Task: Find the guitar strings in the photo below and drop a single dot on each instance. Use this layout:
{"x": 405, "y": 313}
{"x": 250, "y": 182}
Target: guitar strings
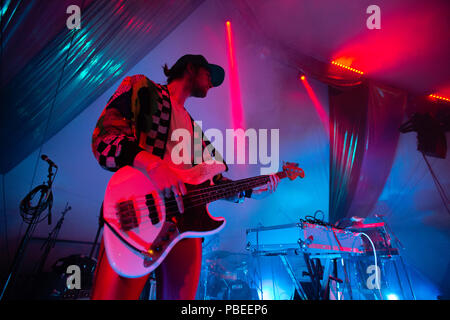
{"x": 241, "y": 183}
{"x": 229, "y": 191}
{"x": 196, "y": 199}
{"x": 227, "y": 184}
{"x": 225, "y": 190}
{"x": 170, "y": 211}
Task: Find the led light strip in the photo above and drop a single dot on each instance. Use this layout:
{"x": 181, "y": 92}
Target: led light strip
{"x": 439, "y": 97}
{"x": 347, "y": 67}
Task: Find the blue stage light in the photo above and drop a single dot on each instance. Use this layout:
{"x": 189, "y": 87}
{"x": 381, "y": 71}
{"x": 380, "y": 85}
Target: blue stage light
{"x": 392, "y": 296}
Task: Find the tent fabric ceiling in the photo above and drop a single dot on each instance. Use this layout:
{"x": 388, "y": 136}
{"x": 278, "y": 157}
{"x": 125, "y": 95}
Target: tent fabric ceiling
{"x": 28, "y": 26}
{"x": 50, "y": 73}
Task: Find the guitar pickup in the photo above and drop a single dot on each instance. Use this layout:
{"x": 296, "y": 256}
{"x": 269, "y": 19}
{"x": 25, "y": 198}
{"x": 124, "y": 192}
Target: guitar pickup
{"x": 152, "y": 210}
{"x": 127, "y": 215}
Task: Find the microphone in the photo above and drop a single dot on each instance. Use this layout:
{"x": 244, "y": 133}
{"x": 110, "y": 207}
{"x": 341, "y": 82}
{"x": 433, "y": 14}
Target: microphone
{"x": 50, "y": 162}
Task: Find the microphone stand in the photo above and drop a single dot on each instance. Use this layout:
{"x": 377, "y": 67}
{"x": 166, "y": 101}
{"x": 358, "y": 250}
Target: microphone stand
{"x": 35, "y": 215}
{"x": 51, "y": 240}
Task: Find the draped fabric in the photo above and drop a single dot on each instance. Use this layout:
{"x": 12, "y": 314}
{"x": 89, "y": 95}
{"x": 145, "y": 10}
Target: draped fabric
{"x": 364, "y": 137}
{"x": 386, "y": 107}
{"x": 50, "y": 74}
{"x": 348, "y": 126}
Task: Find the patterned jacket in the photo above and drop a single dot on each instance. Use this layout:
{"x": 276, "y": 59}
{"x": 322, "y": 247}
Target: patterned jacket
{"x": 137, "y": 117}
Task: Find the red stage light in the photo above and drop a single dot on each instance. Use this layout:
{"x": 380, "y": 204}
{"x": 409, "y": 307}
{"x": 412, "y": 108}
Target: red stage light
{"x": 439, "y": 97}
{"x": 347, "y": 67}
{"x": 302, "y": 78}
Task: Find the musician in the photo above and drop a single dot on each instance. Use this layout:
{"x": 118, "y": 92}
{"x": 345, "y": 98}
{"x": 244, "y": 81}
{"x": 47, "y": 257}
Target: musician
{"x": 135, "y": 129}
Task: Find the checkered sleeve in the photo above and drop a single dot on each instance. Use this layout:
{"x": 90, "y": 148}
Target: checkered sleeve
{"x": 113, "y": 143}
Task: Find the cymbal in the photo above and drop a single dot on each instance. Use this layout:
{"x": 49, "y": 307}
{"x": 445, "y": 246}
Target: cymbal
{"x": 241, "y": 266}
{"x": 218, "y": 254}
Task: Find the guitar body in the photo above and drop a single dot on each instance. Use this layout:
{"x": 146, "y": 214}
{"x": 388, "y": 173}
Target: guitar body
{"x": 136, "y": 237}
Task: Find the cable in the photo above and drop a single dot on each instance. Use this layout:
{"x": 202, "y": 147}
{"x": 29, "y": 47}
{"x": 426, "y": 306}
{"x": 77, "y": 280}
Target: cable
{"x": 441, "y": 190}
{"x": 314, "y": 220}
{"x": 323, "y": 214}
{"x": 376, "y": 264}
{"x": 3, "y": 175}
{"x": 5, "y": 217}
{"x": 29, "y": 212}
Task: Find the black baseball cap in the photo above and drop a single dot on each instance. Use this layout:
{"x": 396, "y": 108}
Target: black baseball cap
{"x": 217, "y": 72}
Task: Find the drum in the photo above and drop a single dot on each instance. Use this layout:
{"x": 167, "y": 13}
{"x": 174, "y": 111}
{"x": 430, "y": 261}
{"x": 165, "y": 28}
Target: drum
{"x": 87, "y": 267}
{"x": 238, "y": 290}
{"x": 216, "y": 287}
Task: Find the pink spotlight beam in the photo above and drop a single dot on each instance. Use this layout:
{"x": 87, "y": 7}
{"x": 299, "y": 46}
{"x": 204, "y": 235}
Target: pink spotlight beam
{"x": 237, "y": 113}
{"x": 323, "y": 116}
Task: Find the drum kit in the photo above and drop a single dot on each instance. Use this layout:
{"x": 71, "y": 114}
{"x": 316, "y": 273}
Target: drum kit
{"x": 225, "y": 276}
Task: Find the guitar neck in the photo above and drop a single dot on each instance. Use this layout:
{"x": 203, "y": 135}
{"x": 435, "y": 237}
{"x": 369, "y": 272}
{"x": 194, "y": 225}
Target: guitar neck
{"x": 228, "y": 189}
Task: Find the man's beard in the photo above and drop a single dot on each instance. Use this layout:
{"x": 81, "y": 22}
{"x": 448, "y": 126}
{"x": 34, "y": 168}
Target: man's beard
{"x": 198, "y": 92}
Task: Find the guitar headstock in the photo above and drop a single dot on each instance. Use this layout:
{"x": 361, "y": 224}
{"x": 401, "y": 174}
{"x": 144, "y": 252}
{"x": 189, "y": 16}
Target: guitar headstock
{"x": 292, "y": 170}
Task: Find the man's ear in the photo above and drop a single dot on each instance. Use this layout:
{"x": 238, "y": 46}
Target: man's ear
{"x": 190, "y": 69}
